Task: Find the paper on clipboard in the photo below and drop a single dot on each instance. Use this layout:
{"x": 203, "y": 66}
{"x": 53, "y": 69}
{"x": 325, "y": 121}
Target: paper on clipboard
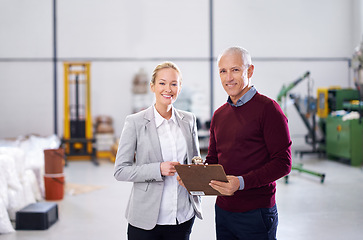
{"x": 196, "y": 177}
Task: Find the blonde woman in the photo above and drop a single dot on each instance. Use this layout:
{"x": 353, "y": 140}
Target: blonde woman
{"x": 152, "y": 142}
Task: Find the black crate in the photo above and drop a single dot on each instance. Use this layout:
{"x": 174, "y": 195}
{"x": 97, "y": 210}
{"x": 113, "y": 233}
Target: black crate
{"x": 37, "y": 216}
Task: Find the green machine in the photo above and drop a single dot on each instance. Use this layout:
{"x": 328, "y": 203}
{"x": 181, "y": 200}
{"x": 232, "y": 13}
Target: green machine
{"x": 344, "y": 139}
{"x": 340, "y": 111}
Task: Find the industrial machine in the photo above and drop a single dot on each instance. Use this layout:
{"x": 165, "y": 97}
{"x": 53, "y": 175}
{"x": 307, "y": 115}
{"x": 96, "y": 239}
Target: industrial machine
{"x": 338, "y": 110}
{"x": 340, "y": 113}
{"x": 307, "y": 112}
{"x": 340, "y": 118}
{"x": 78, "y": 140}
{"x": 286, "y": 89}
{"x": 306, "y": 109}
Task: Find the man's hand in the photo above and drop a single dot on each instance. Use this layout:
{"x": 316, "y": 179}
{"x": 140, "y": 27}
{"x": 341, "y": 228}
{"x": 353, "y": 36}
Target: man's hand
{"x": 226, "y": 188}
{"x": 168, "y": 169}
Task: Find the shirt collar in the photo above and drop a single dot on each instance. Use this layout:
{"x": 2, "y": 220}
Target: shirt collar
{"x": 159, "y": 119}
{"x": 244, "y": 99}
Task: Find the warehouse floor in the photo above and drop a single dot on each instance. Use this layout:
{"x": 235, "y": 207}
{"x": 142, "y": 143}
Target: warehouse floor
{"x": 308, "y": 209}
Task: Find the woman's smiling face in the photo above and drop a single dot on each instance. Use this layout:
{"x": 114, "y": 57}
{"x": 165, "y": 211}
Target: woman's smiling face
{"x": 167, "y": 86}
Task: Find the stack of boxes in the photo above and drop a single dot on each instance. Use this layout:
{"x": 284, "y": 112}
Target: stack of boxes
{"x": 104, "y": 137}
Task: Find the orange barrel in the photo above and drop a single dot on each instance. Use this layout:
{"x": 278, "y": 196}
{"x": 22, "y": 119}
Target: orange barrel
{"x": 54, "y": 186}
{"x": 53, "y": 160}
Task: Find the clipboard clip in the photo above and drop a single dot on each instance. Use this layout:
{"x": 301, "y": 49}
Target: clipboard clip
{"x": 197, "y": 160}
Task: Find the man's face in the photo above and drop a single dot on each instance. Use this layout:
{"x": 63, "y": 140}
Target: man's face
{"x": 234, "y": 75}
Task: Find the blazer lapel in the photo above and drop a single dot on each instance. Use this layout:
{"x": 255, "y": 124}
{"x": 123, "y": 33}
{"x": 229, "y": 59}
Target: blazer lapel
{"x": 184, "y": 126}
{"x": 150, "y": 127}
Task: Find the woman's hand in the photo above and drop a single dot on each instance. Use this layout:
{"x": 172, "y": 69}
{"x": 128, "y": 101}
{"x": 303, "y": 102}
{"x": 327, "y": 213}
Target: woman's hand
{"x": 180, "y": 181}
{"x": 168, "y": 169}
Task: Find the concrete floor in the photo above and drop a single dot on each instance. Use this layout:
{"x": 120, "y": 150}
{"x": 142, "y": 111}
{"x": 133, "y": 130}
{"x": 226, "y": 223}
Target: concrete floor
{"x": 308, "y": 209}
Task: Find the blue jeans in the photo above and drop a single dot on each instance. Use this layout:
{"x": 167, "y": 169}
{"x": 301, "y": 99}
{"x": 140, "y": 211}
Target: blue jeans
{"x": 258, "y": 224}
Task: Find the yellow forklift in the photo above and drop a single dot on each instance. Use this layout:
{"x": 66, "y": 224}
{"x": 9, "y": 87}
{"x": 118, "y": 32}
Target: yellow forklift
{"x": 78, "y": 141}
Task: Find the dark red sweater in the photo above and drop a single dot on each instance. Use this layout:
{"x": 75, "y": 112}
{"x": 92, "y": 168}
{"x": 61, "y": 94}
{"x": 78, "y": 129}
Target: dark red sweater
{"x": 251, "y": 141}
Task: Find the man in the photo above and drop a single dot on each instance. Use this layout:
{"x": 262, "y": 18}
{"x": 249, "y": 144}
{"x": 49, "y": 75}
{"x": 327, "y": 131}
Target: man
{"x": 249, "y": 136}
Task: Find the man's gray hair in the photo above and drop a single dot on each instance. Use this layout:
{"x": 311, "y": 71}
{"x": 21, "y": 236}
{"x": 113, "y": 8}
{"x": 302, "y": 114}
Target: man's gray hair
{"x": 246, "y": 57}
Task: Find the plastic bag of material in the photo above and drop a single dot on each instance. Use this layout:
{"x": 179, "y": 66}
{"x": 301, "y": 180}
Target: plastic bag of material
{"x": 19, "y": 157}
{"x": 10, "y": 172}
{"x": 3, "y": 181}
{"x": 5, "y": 224}
{"x": 26, "y": 176}
{"x": 15, "y": 190}
{"x": 16, "y": 202}
{"x": 34, "y": 146}
{"x": 24, "y": 154}
{"x": 31, "y": 190}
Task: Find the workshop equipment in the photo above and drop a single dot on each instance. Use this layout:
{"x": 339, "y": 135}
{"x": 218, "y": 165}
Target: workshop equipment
{"x": 306, "y": 109}
{"x": 335, "y": 99}
{"x": 357, "y": 66}
{"x": 310, "y": 111}
{"x": 78, "y": 140}
{"x": 344, "y": 139}
{"x": 281, "y": 97}
{"x": 336, "y": 108}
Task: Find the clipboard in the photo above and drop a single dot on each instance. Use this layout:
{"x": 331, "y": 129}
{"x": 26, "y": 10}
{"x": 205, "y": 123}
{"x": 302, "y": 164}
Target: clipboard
{"x": 196, "y": 177}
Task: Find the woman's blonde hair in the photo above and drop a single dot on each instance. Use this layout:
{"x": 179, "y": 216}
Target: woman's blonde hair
{"x": 165, "y": 65}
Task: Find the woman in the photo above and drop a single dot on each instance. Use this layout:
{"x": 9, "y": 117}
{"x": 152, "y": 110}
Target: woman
{"x": 152, "y": 142}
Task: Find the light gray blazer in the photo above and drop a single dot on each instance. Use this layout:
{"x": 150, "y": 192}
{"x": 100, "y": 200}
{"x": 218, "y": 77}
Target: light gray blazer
{"x": 138, "y": 160}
